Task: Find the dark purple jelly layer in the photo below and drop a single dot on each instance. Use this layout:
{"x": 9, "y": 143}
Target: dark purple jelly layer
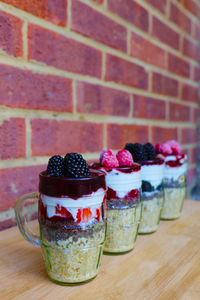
{"x": 71, "y": 187}
{"x": 156, "y": 161}
{"x": 134, "y": 168}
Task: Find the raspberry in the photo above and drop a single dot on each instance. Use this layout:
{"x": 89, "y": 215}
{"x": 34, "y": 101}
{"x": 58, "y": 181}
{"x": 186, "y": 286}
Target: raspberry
{"x": 176, "y": 149}
{"x": 150, "y": 151}
{"x": 75, "y": 166}
{"x": 108, "y": 159}
{"x": 137, "y": 151}
{"x": 108, "y": 151}
{"x": 55, "y": 166}
{"x": 124, "y": 158}
{"x": 163, "y": 148}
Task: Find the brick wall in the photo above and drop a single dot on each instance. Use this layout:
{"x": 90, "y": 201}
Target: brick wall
{"x": 85, "y": 75}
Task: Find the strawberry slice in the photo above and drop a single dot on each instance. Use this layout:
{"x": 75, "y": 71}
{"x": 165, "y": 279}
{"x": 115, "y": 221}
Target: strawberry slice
{"x": 84, "y": 215}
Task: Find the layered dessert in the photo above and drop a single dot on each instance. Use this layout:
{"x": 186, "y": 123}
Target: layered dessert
{"x": 71, "y": 218}
{"x": 152, "y": 171}
{"x": 174, "y": 179}
{"x": 123, "y": 180}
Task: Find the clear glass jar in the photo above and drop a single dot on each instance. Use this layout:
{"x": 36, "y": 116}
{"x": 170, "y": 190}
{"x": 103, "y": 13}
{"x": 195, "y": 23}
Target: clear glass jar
{"x": 152, "y": 195}
{"x": 123, "y": 208}
{"x": 71, "y": 216}
{"x": 174, "y": 186}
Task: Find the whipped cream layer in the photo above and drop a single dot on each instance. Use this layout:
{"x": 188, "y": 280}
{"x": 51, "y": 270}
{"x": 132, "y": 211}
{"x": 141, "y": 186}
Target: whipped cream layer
{"x": 153, "y": 174}
{"x": 92, "y": 201}
{"x": 122, "y": 183}
{"x": 175, "y": 172}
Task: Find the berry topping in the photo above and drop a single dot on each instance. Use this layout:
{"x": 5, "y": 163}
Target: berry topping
{"x": 55, "y": 166}
{"x": 137, "y": 151}
{"x": 124, "y": 158}
{"x": 108, "y": 151}
{"x": 150, "y": 151}
{"x": 108, "y": 159}
{"x": 175, "y": 147}
{"x": 75, "y": 166}
{"x": 163, "y": 148}
{"x": 146, "y": 186}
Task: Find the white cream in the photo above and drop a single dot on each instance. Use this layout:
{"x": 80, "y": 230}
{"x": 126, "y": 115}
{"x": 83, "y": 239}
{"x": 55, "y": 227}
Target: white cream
{"x": 122, "y": 183}
{"x": 153, "y": 174}
{"x": 174, "y": 173}
{"x": 92, "y": 201}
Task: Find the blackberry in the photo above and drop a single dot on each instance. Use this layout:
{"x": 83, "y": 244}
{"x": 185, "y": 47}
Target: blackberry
{"x": 75, "y": 166}
{"x": 138, "y": 152}
{"x": 160, "y": 187}
{"x": 146, "y": 186}
{"x": 55, "y": 166}
{"x": 150, "y": 151}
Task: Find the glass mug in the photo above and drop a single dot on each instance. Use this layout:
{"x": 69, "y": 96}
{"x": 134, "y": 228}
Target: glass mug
{"x": 71, "y": 215}
{"x": 174, "y": 186}
{"x": 152, "y": 195}
{"x": 123, "y": 203}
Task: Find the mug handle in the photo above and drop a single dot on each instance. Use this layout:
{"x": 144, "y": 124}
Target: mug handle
{"x": 21, "y": 217}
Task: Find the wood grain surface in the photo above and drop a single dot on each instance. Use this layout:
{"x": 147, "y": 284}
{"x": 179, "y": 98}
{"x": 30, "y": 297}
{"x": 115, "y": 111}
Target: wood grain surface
{"x": 163, "y": 265}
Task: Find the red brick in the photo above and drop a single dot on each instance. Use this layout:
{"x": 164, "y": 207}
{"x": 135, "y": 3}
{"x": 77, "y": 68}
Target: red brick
{"x": 165, "y": 34}
{"x": 148, "y": 108}
{"x": 54, "y": 11}
{"x": 99, "y": 2}
{"x": 191, "y": 177}
{"x": 195, "y": 114}
{"x": 51, "y": 136}
{"x": 131, "y": 12}
{"x": 179, "y": 18}
{"x": 197, "y": 32}
{"x": 7, "y": 224}
{"x": 193, "y": 156}
{"x": 191, "y": 49}
{"x": 192, "y": 6}
{"x": 64, "y": 53}
{"x": 144, "y": 50}
{"x": 161, "y": 134}
{"x": 120, "y": 134}
{"x": 197, "y": 74}
{"x": 95, "y": 25}
{"x": 164, "y": 85}
{"x": 189, "y": 93}
{"x": 11, "y": 34}
{"x": 179, "y": 112}
{"x": 160, "y": 5}
{"x": 96, "y": 99}
{"x": 125, "y": 72}
{"x": 15, "y": 182}
{"x": 12, "y": 138}
{"x": 178, "y": 66}
{"x": 189, "y": 135}
{"x": 24, "y": 89}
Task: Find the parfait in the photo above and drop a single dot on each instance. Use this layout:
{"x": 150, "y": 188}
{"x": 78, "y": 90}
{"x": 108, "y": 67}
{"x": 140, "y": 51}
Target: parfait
{"x": 71, "y": 218}
{"x": 152, "y": 171}
{"x": 174, "y": 179}
{"x": 123, "y": 180}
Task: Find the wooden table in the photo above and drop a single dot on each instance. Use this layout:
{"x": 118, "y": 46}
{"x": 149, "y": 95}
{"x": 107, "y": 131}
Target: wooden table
{"x": 164, "y": 265}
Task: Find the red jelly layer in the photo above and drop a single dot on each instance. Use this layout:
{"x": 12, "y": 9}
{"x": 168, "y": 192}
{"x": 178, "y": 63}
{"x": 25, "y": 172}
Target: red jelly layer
{"x": 156, "y": 161}
{"x": 134, "y": 168}
{"x": 71, "y": 187}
